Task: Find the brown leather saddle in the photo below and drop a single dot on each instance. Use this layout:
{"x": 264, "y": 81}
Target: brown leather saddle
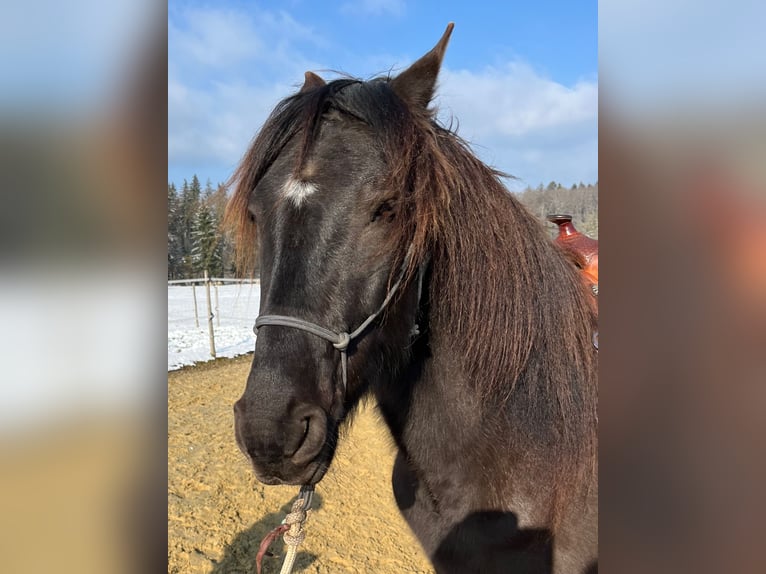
{"x": 581, "y": 249}
{"x": 583, "y": 252}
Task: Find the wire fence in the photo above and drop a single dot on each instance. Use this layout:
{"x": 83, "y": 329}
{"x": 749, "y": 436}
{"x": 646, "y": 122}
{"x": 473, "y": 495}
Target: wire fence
{"x": 210, "y": 317}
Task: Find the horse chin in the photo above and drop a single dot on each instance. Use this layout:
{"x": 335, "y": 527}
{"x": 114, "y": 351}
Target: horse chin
{"x": 309, "y": 474}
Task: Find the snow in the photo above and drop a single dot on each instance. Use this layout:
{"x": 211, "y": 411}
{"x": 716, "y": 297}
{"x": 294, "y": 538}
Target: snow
{"x": 237, "y": 309}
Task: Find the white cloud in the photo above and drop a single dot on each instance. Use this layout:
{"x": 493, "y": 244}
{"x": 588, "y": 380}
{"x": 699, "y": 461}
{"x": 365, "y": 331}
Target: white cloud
{"x": 525, "y": 124}
{"x": 225, "y": 80}
{"x": 213, "y": 127}
{"x": 226, "y": 71}
{"x": 221, "y": 40}
{"x": 214, "y": 38}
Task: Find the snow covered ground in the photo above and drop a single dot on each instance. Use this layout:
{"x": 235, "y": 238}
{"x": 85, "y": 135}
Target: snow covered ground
{"x": 237, "y": 310}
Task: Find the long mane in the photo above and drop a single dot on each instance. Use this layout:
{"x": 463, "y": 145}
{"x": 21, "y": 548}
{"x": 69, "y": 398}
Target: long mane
{"x": 498, "y": 282}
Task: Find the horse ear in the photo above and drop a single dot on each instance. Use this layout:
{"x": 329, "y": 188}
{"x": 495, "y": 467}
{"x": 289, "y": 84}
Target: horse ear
{"x": 311, "y": 82}
{"x": 416, "y": 84}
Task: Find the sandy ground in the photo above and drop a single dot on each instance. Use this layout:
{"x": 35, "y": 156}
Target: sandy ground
{"x": 218, "y": 513}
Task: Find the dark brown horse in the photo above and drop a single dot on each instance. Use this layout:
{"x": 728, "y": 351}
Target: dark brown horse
{"x": 395, "y": 263}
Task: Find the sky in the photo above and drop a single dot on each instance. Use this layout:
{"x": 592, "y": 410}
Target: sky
{"x": 519, "y": 80}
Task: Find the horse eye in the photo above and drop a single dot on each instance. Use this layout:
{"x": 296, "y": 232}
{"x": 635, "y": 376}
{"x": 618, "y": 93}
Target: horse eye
{"x": 386, "y": 211}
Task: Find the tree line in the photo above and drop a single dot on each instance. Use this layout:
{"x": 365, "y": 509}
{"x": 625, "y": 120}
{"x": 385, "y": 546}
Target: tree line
{"x": 580, "y": 201}
{"x": 198, "y": 242}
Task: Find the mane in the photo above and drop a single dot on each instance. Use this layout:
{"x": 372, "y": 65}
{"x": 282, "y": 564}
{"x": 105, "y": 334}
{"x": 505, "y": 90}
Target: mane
{"x": 520, "y": 308}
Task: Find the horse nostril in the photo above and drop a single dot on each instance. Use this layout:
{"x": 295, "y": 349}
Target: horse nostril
{"x": 312, "y": 437}
{"x": 304, "y": 432}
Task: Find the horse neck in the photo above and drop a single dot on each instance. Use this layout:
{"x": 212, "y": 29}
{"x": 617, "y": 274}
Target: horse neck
{"x": 442, "y": 427}
{"x": 440, "y": 421}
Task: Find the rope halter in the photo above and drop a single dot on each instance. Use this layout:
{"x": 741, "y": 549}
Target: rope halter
{"x": 341, "y": 340}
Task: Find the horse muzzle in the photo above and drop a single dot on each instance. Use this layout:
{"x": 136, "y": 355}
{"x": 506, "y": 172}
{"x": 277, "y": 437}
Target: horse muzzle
{"x": 285, "y": 446}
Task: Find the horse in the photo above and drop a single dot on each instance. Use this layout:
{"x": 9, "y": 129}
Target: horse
{"x": 395, "y": 264}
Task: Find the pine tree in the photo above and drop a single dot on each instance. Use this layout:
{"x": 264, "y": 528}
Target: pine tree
{"x": 208, "y": 191}
{"x": 206, "y": 243}
{"x": 175, "y": 250}
{"x": 190, "y": 202}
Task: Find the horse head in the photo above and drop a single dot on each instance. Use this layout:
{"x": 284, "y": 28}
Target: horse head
{"x": 339, "y": 292}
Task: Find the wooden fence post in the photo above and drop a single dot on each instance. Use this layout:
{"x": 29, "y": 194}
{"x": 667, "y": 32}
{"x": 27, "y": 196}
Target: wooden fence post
{"x": 196, "y": 313}
{"x": 210, "y": 331}
{"x": 217, "y": 312}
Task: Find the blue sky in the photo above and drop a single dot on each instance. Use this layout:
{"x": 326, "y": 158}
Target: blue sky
{"x": 519, "y": 78}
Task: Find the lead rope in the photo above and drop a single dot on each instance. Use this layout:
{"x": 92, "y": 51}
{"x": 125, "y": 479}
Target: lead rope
{"x": 295, "y": 534}
{"x": 292, "y": 528}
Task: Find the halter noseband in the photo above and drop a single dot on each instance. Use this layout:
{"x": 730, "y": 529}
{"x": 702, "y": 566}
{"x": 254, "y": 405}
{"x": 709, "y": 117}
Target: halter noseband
{"x": 342, "y": 339}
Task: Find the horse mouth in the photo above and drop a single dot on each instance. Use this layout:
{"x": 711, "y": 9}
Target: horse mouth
{"x": 296, "y": 450}
{"x": 310, "y": 474}
{"x": 307, "y": 461}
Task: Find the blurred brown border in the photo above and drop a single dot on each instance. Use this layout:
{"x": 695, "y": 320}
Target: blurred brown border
{"x": 682, "y": 339}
